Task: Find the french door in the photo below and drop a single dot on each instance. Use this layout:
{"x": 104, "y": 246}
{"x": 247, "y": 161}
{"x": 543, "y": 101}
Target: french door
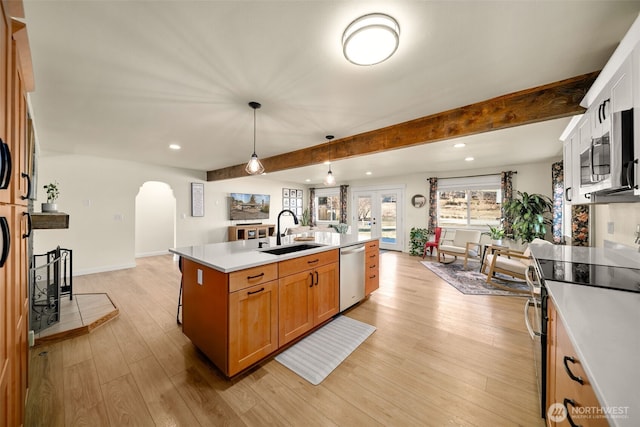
{"x": 378, "y": 213}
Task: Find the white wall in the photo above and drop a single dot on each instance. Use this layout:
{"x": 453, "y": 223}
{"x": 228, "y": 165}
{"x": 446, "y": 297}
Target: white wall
{"x": 99, "y": 195}
{"x": 625, "y": 218}
{"x": 155, "y": 218}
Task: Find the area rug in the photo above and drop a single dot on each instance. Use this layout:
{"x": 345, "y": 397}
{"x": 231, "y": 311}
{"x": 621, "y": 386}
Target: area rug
{"x": 471, "y": 281}
{"x": 317, "y": 355}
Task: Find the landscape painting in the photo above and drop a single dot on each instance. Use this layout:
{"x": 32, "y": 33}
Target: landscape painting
{"x": 249, "y": 206}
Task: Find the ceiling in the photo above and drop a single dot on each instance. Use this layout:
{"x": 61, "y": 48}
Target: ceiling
{"x": 124, "y": 79}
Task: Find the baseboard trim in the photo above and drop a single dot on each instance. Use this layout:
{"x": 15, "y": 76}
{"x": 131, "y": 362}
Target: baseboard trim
{"x": 148, "y": 254}
{"x": 103, "y": 269}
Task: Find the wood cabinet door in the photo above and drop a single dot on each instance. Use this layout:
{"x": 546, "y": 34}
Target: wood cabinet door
{"x": 5, "y": 91}
{"x": 253, "y": 325}
{"x": 295, "y": 302}
{"x": 326, "y": 292}
{"x": 7, "y": 345}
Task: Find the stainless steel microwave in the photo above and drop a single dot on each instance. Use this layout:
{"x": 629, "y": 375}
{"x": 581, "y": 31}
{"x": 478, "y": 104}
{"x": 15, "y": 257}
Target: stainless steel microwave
{"x": 607, "y": 164}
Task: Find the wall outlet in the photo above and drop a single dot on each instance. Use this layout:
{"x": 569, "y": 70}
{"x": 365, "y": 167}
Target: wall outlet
{"x": 199, "y": 277}
{"x": 610, "y": 227}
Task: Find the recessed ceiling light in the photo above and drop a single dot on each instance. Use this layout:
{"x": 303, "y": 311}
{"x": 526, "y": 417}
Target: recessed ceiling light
{"x": 368, "y": 173}
{"x": 468, "y": 159}
{"x": 174, "y": 146}
{"x": 307, "y": 180}
{"x": 459, "y": 145}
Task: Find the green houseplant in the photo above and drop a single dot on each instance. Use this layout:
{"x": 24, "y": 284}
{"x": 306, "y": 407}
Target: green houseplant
{"x": 530, "y": 215}
{"x": 305, "y": 218}
{"x": 52, "y": 195}
{"x": 496, "y": 234}
{"x": 418, "y": 237}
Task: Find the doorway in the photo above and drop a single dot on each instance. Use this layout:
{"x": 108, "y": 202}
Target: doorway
{"x": 378, "y": 214}
{"x": 155, "y": 219}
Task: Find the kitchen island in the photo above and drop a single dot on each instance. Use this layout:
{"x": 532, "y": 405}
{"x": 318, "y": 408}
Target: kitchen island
{"x": 242, "y": 304}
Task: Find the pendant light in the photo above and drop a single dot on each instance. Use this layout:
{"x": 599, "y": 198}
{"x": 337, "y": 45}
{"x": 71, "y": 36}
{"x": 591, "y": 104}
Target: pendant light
{"x": 329, "y": 179}
{"x": 254, "y": 167}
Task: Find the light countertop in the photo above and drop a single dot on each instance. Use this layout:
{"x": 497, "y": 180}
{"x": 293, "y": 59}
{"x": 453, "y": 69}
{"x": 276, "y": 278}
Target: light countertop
{"x": 227, "y": 257}
{"x": 604, "y": 328}
{"x": 618, "y": 256}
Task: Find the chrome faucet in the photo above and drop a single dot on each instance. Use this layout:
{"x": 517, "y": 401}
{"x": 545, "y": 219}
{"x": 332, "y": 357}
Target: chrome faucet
{"x": 295, "y": 220}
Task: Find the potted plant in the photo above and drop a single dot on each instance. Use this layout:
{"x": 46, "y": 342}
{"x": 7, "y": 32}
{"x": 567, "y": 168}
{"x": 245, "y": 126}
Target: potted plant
{"x": 530, "y": 215}
{"x": 305, "y": 218}
{"x": 496, "y": 234}
{"x": 52, "y": 195}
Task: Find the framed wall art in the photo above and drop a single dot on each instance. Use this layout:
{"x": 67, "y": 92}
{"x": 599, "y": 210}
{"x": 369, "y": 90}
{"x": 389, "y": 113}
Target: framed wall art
{"x": 197, "y": 199}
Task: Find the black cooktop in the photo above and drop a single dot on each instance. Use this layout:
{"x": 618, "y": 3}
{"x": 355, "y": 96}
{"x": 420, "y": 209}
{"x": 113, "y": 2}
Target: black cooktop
{"x": 601, "y": 276}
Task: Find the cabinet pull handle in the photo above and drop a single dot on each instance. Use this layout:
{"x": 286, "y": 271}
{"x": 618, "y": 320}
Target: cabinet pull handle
{"x": 568, "y": 371}
{"x": 566, "y": 402}
{"x": 566, "y": 194}
{"x": 372, "y": 277}
{"x": 372, "y": 256}
{"x": 255, "y": 277}
{"x": 29, "y": 225}
{"x": 311, "y": 275}
{"x": 600, "y": 112}
{"x": 313, "y": 261}
{"x": 5, "y": 165}
{"x": 317, "y": 279}
{"x": 255, "y": 292}
{"x": 6, "y": 240}
{"x": 604, "y": 106}
{"x": 28, "y": 178}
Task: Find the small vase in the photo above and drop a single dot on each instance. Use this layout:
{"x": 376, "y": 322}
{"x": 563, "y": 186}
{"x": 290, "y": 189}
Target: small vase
{"x": 49, "y": 207}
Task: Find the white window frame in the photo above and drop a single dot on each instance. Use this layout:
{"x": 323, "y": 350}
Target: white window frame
{"x": 325, "y": 192}
{"x": 466, "y": 184}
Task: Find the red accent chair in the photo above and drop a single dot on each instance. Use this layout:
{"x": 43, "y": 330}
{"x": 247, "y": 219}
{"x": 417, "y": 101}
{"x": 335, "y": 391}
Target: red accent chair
{"x": 434, "y": 244}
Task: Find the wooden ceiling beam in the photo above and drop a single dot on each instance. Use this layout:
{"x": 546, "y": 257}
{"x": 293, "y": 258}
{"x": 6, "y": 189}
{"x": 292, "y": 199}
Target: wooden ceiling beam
{"x": 548, "y": 102}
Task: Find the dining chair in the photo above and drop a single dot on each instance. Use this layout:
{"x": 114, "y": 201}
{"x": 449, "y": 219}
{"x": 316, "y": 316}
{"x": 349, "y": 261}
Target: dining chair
{"x": 432, "y": 244}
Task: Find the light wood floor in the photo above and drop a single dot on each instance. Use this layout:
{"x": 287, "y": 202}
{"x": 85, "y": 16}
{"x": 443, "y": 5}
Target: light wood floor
{"x": 438, "y": 357}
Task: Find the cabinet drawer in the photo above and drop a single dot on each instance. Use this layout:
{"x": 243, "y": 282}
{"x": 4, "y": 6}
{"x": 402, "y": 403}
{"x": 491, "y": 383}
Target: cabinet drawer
{"x": 372, "y": 246}
{"x": 252, "y": 276}
{"x": 297, "y": 265}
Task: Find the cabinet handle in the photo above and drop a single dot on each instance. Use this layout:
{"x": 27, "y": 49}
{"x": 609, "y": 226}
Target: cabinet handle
{"x": 600, "y": 112}
{"x": 604, "y": 109}
{"x": 28, "y": 178}
{"x": 255, "y": 277}
{"x": 372, "y": 256}
{"x": 313, "y": 261}
{"x": 566, "y": 368}
{"x": 566, "y": 402}
{"x": 630, "y": 178}
{"x": 29, "y": 225}
{"x": 6, "y": 240}
{"x": 373, "y": 266}
{"x": 372, "y": 277}
{"x": 317, "y": 279}
{"x": 5, "y": 165}
{"x": 311, "y": 275}
{"x": 255, "y": 292}
{"x": 566, "y": 194}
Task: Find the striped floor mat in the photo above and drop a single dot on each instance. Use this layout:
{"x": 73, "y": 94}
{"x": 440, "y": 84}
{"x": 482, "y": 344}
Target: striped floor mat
{"x": 317, "y": 355}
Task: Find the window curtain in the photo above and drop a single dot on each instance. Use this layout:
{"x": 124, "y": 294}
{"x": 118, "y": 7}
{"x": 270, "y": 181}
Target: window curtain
{"x": 557, "y": 184}
{"x": 433, "y": 204}
{"x": 506, "y": 186}
{"x": 343, "y": 203}
{"x": 312, "y": 206}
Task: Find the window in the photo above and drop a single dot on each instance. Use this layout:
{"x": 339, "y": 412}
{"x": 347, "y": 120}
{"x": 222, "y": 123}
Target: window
{"x": 472, "y": 201}
{"x": 327, "y": 205}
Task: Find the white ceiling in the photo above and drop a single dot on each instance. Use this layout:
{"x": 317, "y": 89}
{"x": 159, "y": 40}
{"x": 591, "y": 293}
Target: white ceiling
{"x": 124, "y": 79}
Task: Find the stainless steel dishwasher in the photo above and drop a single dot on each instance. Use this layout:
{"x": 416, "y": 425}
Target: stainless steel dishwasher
{"x": 351, "y": 275}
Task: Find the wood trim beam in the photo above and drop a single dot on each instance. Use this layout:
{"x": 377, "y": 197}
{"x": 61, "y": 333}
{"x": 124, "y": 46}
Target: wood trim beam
{"x": 547, "y": 102}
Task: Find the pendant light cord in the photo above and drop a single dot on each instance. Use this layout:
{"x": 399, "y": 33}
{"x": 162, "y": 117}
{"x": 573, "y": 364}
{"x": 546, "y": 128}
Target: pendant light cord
{"x": 254, "y": 131}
